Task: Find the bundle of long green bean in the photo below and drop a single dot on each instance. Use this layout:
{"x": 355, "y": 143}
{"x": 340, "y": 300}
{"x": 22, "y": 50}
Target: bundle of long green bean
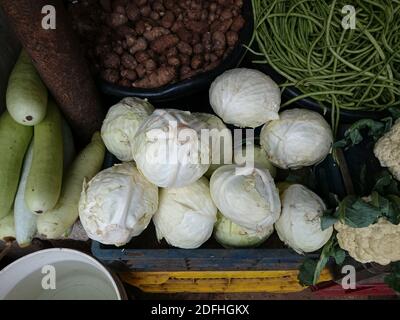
{"x": 313, "y": 44}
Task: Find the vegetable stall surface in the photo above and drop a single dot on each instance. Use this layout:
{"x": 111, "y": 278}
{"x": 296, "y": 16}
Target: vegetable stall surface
{"x": 58, "y": 222}
{"x": 148, "y": 44}
{"x": 344, "y": 67}
{"x": 44, "y": 182}
{"x": 26, "y": 93}
{"x": 14, "y": 141}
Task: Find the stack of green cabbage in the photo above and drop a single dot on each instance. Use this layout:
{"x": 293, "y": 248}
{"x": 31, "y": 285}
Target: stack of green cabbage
{"x": 167, "y": 155}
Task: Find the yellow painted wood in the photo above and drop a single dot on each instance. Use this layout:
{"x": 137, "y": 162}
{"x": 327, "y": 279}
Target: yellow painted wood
{"x": 278, "y": 281}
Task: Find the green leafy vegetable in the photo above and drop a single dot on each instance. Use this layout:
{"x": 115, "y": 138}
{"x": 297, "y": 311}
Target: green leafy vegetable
{"x": 310, "y": 270}
{"x": 386, "y": 184}
{"x": 373, "y": 128}
{"x": 357, "y": 212}
{"x": 327, "y": 221}
{"x": 306, "y": 272}
{"x": 395, "y": 112}
{"x": 393, "y": 279}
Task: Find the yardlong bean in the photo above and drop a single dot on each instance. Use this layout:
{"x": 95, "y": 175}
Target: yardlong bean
{"x": 352, "y": 69}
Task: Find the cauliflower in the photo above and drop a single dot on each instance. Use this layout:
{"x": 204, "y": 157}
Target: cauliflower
{"x": 387, "y": 150}
{"x": 379, "y": 242}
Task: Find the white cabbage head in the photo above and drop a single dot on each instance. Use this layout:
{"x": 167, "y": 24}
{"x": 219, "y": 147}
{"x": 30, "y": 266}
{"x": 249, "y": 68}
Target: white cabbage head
{"x": 168, "y": 151}
{"x": 248, "y": 153}
{"x": 186, "y": 216}
{"x": 245, "y": 97}
{"x": 117, "y": 204}
{"x": 121, "y": 123}
{"x": 221, "y": 142}
{"x": 300, "y": 138}
{"x": 246, "y": 196}
{"x": 299, "y": 225}
{"x": 231, "y": 235}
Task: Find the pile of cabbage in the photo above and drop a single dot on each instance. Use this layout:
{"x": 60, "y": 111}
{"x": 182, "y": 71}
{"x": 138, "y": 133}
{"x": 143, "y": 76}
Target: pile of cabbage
{"x": 184, "y": 172}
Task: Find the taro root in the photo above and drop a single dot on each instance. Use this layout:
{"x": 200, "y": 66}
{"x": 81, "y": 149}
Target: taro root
{"x": 164, "y": 42}
{"x": 168, "y": 20}
{"x": 110, "y": 75}
{"x": 184, "y": 48}
{"x": 158, "y": 78}
{"x": 155, "y": 33}
{"x": 128, "y": 61}
{"x": 139, "y": 45}
{"x": 150, "y": 43}
{"x": 132, "y": 12}
{"x": 129, "y": 74}
{"x": 232, "y": 38}
{"x": 111, "y": 60}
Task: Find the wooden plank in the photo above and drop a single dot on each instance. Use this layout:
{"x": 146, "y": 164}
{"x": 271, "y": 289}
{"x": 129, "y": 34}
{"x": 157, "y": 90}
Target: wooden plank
{"x": 278, "y": 281}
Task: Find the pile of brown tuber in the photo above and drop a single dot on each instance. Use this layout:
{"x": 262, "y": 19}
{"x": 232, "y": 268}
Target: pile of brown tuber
{"x": 151, "y": 43}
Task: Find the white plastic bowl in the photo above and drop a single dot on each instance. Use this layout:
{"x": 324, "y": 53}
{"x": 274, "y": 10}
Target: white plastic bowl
{"x": 75, "y": 276}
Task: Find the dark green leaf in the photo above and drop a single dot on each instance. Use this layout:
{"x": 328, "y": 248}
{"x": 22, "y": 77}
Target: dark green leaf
{"x": 381, "y": 203}
{"x": 395, "y": 112}
{"x": 323, "y": 260}
{"x": 394, "y": 212}
{"x": 354, "y": 135}
{"x": 386, "y": 184}
{"x": 393, "y": 279}
{"x": 340, "y": 144}
{"x": 339, "y": 255}
{"x": 357, "y": 213}
{"x": 306, "y": 272}
{"x": 310, "y": 270}
{"x": 388, "y": 122}
{"x": 328, "y": 221}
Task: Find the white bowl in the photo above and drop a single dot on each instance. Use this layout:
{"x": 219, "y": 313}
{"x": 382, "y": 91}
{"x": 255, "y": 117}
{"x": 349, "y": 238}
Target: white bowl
{"x": 58, "y": 274}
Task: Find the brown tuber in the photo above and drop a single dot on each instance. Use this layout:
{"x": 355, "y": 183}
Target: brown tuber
{"x": 218, "y": 40}
{"x": 237, "y": 24}
{"x": 128, "y": 61}
{"x": 196, "y": 62}
{"x": 129, "y": 74}
{"x": 164, "y": 42}
{"x": 150, "y": 43}
{"x": 139, "y": 45}
{"x": 116, "y": 20}
{"x": 132, "y": 12}
{"x": 111, "y": 60}
{"x": 184, "y": 48}
{"x": 231, "y": 38}
{"x": 158, "y": 78}
{"x": 110, "y": 75}
{"x": 168, "y": 20}
{"x": 155, "y": 33}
